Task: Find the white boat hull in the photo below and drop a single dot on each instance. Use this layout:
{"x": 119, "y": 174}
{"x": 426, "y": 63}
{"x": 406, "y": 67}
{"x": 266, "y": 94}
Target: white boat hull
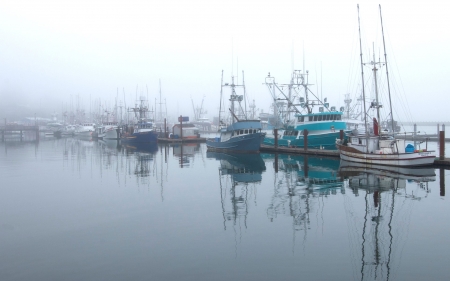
{"x": 421, "y": 158}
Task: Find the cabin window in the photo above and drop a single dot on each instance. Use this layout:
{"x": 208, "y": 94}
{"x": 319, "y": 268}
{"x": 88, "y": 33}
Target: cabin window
{"x": 320, "y": 117}
{"x": 301, "y": 118}
{"x": 246, "y": 131}
{"x": 296, "y": 133}
{"x": 315, "y": 118}
{"x": 328, "y": 117}
{"x": 241, "y": 132}
{"x": 338, "y": 117}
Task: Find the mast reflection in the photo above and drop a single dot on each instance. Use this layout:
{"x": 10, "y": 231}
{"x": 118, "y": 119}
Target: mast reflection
{"x": 236, "y": 173}
{"x": 383, "y": 223}
{"x": 299, "y": 180}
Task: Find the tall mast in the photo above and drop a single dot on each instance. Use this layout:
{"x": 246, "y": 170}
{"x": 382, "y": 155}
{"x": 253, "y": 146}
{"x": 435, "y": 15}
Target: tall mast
{"x": 362, "y": 79}
{"x": 387, "y": 74}
{"x": 220, "y": 106}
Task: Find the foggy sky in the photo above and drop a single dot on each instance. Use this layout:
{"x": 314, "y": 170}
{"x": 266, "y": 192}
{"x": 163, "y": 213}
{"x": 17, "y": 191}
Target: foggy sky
{"x": 54, "y": 54}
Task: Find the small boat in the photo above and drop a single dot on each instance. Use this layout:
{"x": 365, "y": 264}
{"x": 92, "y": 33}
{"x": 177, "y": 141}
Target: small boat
{"x": 380, "y": 147}
{"x": 321, "y": 125}
{"x": 237, "y": 133}
{"x": 144, "y": 130}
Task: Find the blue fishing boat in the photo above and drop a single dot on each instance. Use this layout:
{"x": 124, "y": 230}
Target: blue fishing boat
{"x": 143, "y": 131}
{"x": 237, "y": 133}
{"x": 311, "y": 116}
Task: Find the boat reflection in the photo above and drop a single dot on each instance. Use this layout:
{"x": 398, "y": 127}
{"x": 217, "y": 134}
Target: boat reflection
{"x": 380, "y": 178}
{"x": 384, "y": 226}
{"x": 299, "y": 183}
{"x": 238, "y": 174}
{"x": 144, "y": 155}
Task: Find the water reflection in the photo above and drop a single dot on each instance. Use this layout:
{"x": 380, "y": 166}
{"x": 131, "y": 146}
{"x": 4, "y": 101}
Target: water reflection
{"x": 185, "y": 153}
{"x": 238, "y": 174}
{"x": 384, "y": 225}
{"x": 299, "y": 182}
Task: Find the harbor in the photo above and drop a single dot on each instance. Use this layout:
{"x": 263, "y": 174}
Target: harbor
{"x": 240, "y": 140}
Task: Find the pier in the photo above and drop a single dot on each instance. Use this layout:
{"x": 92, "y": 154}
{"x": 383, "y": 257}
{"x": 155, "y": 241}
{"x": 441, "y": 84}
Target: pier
{"x": 17, "y": 130}
{"x": 181, "y": 140}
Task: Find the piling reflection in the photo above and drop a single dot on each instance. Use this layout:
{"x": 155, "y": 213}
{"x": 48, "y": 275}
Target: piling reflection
{"x": 238, "y": 174}
{"x": 384, "y": 226}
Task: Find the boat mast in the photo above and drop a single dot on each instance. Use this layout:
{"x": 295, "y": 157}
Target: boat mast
{"x": 387, "y": 74}
{"x": 220, "y": 104}
{"x": 377, "y": 105}
{"x": 362, "y": 77}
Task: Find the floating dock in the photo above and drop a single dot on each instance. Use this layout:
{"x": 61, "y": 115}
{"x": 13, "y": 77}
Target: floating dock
{"x": 183, "y": 140}
{"x": 283, "y": 149}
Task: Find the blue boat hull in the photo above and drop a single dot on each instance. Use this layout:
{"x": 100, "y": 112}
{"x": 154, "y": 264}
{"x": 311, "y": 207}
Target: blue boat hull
{"x": 141, "y": 137}
{"x": 245, "y": 143}
{"x": 320, "y": 141}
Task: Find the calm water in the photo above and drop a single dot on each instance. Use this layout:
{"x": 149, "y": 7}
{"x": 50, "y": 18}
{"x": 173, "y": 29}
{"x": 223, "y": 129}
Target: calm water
{"x": 80, "y": 210}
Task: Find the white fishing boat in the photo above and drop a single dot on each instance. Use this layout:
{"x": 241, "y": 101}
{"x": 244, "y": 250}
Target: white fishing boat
{"x": 380, "y": 147}
{"x": 84, "y": 130}
{"x": 112, "y": 131}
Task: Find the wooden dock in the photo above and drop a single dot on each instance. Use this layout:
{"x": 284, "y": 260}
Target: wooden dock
{"x": 183, "y": 140}
{"x": 331, "y": 153}
{"x": 290, "y": 150}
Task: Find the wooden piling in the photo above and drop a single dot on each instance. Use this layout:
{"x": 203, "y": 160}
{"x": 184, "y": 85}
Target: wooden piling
{"x": 275, "y": 133}
{"x": 441, "y": 145}
{"x": 341, "y": 135}
{"x": 305, "y": 139}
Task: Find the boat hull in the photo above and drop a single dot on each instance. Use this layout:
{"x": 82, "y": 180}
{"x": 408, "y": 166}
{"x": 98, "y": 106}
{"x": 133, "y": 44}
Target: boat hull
{"x": 315, "y": 141}
{"x": 140, "y": 137}
{"x": 421, "y": 158}
{"x": 246, "y": 143}
{"x": 112, "y": 133}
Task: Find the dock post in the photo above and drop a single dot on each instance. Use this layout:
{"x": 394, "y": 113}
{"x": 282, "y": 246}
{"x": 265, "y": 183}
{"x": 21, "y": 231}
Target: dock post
{"x": 305, "y": 139}
{"x": 341, "y": 135}
{"x": 442, "y": 181}
{"x": 165, "y": 131}
{"x": 441, "y": 145}
{"x": 275, "y": 133}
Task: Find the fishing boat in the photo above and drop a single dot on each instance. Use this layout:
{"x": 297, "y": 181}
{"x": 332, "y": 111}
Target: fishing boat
{"x": 313, "y": 118}
{"x": 237, "y": 133}
{"x": 84, "y": 130}
{"x": 380, "y": 147}
{"x": 143, "y": 131}
{"x": 111, "y": 131}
